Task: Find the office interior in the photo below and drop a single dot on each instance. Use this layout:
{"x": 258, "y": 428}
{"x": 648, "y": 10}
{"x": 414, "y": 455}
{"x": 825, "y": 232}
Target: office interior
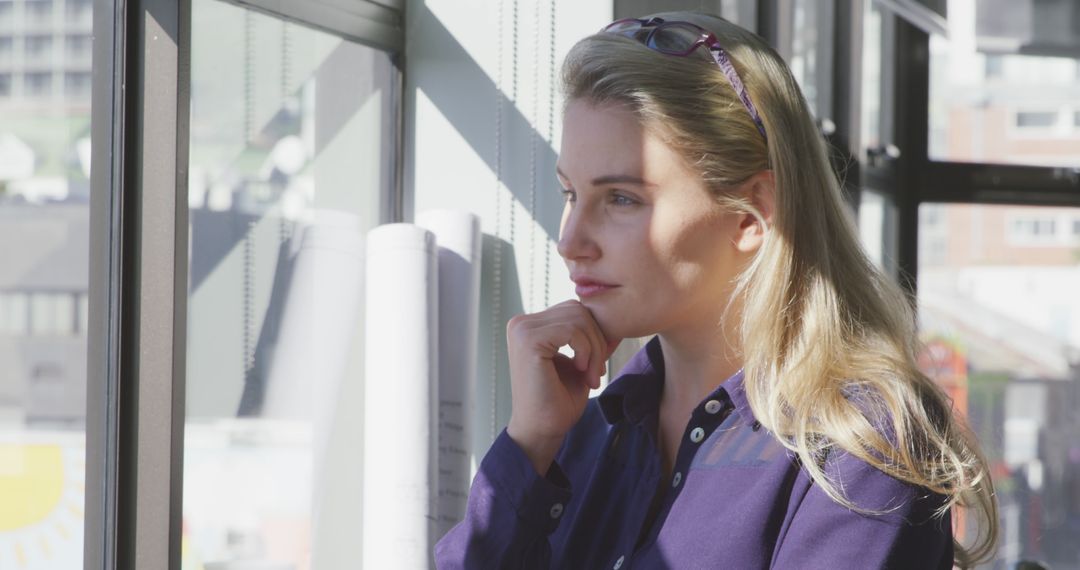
{"x": 188, "y": 189}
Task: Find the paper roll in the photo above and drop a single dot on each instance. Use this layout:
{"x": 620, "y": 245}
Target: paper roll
{"x": 401, "y": 367}
{"x": 318, "y": 320}
{"x": 457, "y": 235}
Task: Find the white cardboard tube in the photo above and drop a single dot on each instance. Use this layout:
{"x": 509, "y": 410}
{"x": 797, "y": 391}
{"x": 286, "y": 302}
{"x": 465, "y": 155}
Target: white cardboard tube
{"x": 401, "y": 367}
{"x": 457, "y": 234}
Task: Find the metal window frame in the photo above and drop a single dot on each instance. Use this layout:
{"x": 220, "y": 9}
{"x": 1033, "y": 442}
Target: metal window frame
{"x": 138, "y": 251}
{"x": 916, "y": 179}
{"x": 138, "y": 284}
{"x": 846, "y": 101}
{"x": 910, "y": 57}
{"x": 375, "y": 23}
{"x": 776, "y": 23}
{"x": 838, "y": 77}
{"x": 827, "y": 79}
{"x": 103, "y": 313}
{"x": 918, "y": 14}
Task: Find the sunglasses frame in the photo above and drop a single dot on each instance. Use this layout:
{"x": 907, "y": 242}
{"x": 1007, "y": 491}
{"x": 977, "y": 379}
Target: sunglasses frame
{"x": 705, "y": 38}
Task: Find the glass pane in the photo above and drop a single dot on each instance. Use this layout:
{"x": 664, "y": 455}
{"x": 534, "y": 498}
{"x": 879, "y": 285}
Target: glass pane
{"x": 877, "y": 229}
{"x": 44, "y": 229}
{"x": 288, "y": 166}
{"x": 810, "y": 47}
{"x": 873, "y": 66}
{"x": 999, "y": 310}
{"x": 1005, "y": 85}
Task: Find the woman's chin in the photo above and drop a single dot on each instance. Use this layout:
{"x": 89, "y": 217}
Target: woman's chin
{"x": 619, "y": 324}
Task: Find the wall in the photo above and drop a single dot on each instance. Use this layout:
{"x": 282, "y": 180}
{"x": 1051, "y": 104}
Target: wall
{"x": 481, "y": 117}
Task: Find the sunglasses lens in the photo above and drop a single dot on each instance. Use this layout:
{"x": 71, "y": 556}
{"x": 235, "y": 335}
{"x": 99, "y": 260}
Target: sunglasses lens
{"x": 624, "y": 27}
{"x": 674, "y": 39}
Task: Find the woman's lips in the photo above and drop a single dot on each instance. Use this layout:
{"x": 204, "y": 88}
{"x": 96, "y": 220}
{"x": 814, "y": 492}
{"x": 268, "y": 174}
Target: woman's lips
{"x": 585, "y": 289}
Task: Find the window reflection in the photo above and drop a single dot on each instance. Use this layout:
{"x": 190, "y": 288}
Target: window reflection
{"x": 287, "y": 169}
{"x": 1001, "y": 318}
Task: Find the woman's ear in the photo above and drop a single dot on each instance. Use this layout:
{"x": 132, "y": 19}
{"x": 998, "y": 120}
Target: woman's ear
{"x": 760, "y": 190}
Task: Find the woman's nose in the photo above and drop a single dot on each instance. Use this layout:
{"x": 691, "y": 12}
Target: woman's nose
{"x": 575, "y": 236}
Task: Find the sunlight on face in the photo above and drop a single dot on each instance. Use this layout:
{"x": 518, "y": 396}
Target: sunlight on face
{"x": 639, "y": 218}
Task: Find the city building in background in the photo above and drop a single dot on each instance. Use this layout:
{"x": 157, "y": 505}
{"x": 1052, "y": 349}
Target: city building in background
{"x": 45, "y": 77}
{"x": 999, "y": 284}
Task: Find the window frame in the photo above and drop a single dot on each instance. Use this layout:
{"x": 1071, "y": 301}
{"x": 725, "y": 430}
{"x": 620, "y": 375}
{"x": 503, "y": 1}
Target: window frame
{"x": 916, "y": 179}
{"x": 138, "y": 250}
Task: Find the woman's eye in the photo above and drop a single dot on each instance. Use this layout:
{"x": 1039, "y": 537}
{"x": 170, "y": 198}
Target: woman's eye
{"x": 616, "y": 199}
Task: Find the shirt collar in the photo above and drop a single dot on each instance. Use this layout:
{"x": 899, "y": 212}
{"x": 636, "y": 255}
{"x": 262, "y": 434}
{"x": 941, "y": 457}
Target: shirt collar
{"x": 637, "y": 390}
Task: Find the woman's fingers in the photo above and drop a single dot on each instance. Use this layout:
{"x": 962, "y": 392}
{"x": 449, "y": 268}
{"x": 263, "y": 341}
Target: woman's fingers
{"x": 597, "y": 358}
{"x": 549, "y": 390}
{"x": 590, "y": 359}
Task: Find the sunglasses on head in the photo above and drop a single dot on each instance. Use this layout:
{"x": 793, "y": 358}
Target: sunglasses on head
{"x": 680, "y": 39}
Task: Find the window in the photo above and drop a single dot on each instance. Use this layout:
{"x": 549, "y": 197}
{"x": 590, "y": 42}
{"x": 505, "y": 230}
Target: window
{"x": 77, "y": 85}
{"x": 1034, "y": 228}
{"x": 38, "y": 11}
{"x": 1001, "y": 330}
{"x": 286, "y": 162}
{"x": 999, "y": 81}
{"x": 38, "y": 84}
{"x": 877, "y": 226}
{"x": 77, "y": 47}
{"x": 14, "y": 309}
{"x": 77, "y": 11}
{"x": 875, "y": 26}
{"x": 44, "y": 232}
{"x": 995, "y": 65}
{"x": 38, "y": 47}
{"x": 84, "y": 310}
{"x": 811, "y": 46}
{"x": 1033, "y": 231}
{"x": 1036, "y": 119}
{"x": 52, "y": 314}
{"x": 932, "y": 234}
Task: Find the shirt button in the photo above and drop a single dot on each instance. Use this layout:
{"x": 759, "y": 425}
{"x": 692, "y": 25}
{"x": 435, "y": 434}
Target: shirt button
{"x": 697, "y": 435}
{"x": 556, "y": 510}
{"x": 618, "y": 563}
{"x": 712, "y": 406}
{"x": 678, "y": 479}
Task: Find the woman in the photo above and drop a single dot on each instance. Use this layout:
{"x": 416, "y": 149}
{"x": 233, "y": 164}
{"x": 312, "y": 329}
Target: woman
{"x": 777, "y": 418}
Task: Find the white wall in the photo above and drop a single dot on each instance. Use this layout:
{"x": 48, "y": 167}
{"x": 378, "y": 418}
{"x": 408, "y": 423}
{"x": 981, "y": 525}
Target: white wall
{"x": 474, "y": 78}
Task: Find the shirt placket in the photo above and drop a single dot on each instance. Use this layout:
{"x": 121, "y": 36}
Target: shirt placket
{"x": 703, "y": 422}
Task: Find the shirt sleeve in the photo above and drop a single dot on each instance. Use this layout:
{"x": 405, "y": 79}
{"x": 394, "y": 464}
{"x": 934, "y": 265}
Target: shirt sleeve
{"x": 824, "y": 534}
{"x": 511, "y": 512}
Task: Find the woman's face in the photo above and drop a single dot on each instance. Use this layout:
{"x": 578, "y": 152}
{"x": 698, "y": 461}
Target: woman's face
{"x": 637, "y": 217}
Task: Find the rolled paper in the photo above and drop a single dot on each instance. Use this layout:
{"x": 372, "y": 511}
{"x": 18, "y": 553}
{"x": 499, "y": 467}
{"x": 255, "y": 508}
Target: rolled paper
{"x": 457, "y": 234}
{"x": 400, "y": 420}
{"x": 309, "y": 361}
{"x": 319, "y": 319}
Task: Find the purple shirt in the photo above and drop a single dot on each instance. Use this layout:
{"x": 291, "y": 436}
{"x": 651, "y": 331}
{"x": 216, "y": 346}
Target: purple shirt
{"x": 736, "y": 497}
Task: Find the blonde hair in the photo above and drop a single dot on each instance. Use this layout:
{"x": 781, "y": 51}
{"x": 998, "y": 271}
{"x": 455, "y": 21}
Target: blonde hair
{"x": 829, "y": 343}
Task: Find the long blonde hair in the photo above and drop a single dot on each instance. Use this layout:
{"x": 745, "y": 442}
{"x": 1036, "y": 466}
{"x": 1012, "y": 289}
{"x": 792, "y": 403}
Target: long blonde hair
{"x": 829, "y": 343}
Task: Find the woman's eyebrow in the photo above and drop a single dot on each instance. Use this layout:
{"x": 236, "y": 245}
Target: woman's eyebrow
{"x": 613, "y": 179}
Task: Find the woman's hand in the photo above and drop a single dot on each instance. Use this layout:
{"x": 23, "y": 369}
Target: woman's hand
{"x": 549, "y": 390}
